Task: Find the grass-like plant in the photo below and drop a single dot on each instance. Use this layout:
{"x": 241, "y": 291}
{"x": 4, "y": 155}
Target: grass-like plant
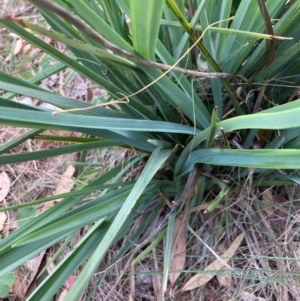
{"x": 191, "y": 85}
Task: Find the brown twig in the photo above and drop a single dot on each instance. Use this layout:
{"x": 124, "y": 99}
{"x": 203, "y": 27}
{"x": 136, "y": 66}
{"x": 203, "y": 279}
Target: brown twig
{"x": 190, "y": 185}
{"x": 91, "y": 33}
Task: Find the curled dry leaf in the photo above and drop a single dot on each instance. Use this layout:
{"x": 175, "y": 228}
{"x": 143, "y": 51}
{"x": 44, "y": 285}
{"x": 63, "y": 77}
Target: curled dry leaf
{"x": 179, "y": 250}
{"x": 201, "y": 279}
{"x": 4, "y": 185}
{"x": 3, "y": 218}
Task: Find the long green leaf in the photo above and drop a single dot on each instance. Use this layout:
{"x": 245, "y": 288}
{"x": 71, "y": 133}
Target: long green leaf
{"x": 26, "y": 118}
{"x": 68, "y": 61}
{"x": 280, "y": 117}
{"x": 80, "y": 45}
{"x": 77, "y": 219}
{"x": 57, "y": 100}
{"x": 49, "y": 287}
{"x": 145, "y": 22}
{"x": 60, "y": 208}
{"x": 256, "y": 158}
{"x": 168, "y": 249}
{"x": 14, "y": 257}
{"x": 48, "y": 153}
{"x": 156, "y": 160}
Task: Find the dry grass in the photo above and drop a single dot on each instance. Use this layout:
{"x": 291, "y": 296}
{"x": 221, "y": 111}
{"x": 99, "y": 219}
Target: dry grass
{"x": 265, "y": 267}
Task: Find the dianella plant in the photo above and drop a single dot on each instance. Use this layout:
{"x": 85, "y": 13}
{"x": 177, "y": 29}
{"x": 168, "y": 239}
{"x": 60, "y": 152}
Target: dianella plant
{"x": 204, "y": 91}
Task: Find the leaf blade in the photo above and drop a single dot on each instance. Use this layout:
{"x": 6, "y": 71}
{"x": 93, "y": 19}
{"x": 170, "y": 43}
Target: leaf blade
{"x": 145, "y": 22}
{"x": 158, "y": 157}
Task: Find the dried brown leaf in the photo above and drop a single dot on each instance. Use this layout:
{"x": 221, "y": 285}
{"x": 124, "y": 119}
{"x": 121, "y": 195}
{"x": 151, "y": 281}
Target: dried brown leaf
{"x": 267, "y": 196}
{"x": 7, "y": 59}
{"x": 33, "y": 265}
{"x": 157, "y": 283}
{"x": 4, "y": 185}
{"x": 3, "y": 218}
{"x": 26, "y": 48}
{"x": 245, "y": 296}
{"x": 130, "y": 298}
{"x": 179, "y": 251}
{"x": 89, "y": 94}
{"x": 18, "y": 46}
{"x": 18, "y": 289}
{"x": 33, "y": 52}
{"x": 50, "y": 264}
{"x": 65, "y": 184}
{"x": 13, "y": 35}
{"x": 225, "y": 280}
{"x": 11, "y": 222}
{"x": 201, "y": 279}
